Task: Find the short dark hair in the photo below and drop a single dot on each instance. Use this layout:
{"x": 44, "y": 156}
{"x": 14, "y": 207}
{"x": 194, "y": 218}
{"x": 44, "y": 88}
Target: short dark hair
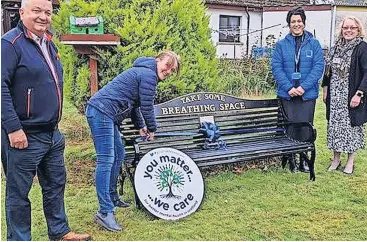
{"x": 297, "y": 11}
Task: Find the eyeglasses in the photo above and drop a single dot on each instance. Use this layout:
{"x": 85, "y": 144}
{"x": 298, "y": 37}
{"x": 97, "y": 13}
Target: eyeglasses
{"x": 350, "y": 27}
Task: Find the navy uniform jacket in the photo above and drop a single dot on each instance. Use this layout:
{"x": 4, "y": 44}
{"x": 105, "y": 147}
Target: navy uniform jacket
{"x": 131, "y": 94}
{"x": 31, "y": 97}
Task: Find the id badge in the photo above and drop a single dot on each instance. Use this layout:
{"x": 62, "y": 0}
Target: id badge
{"x": 296, "y": 75}
{"x": 336, "y": 60}
{"x": 309, "y": 53}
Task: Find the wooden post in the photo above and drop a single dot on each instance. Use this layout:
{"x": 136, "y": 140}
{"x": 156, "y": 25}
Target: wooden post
{"x": 93, "y": 75}
{"x": 84, "y": 44}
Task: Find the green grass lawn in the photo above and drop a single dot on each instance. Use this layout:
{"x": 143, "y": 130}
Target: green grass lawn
{"x": 259, "y": 204}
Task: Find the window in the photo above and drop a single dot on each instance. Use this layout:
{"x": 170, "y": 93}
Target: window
{"x": 229, "y": 28}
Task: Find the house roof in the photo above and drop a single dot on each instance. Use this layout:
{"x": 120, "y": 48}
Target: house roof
{"x": 350, "y": 2}
{"x": 258, "y": 3}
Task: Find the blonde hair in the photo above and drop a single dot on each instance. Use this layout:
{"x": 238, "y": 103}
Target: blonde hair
{"x": 361, "y": 31}
{"x": 173, "y": 58}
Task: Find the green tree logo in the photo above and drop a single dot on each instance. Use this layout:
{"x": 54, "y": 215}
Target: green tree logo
{"x": 169, "y": 179}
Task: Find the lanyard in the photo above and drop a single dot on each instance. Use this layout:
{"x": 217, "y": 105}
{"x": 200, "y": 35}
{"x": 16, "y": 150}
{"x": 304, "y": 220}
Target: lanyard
{"x": 296, "y": 59}
{"x": 298, "y": 54}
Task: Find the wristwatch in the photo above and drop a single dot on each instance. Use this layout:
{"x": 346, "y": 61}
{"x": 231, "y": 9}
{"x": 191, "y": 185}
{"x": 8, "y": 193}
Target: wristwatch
{"x": 359, "y": 94}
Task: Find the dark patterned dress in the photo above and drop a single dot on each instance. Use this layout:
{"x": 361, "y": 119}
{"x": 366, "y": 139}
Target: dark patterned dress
{"x": 341, "y": 136}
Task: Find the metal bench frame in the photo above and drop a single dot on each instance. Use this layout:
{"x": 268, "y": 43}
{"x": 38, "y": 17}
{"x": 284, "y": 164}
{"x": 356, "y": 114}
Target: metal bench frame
{"x": 263, "y": 132}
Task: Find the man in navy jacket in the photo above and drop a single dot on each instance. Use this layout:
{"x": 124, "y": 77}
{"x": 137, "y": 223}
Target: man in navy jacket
{"x": 31, "y": 107}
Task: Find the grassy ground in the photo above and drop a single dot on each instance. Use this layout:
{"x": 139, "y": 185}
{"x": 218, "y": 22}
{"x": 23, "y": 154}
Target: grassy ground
{"x": 259, "y": 204}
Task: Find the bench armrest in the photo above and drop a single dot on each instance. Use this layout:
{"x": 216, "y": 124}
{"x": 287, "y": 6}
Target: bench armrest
{"x": 137, "y": 153}
{"x": 300, "y": 131}
{"x": 135, "y": 142}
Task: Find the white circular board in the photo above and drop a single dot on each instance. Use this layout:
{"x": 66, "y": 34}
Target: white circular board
{"x": 169, "y": 184}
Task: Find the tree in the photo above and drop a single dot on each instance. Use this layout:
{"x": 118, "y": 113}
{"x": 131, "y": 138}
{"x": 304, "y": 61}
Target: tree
{"x": 146, "y": 27}
{"x": 168, "y": 178}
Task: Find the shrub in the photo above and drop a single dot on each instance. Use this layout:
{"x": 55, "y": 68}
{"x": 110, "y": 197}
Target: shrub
{"x": 247, "y": 76}
{"x": 145, "y": 27}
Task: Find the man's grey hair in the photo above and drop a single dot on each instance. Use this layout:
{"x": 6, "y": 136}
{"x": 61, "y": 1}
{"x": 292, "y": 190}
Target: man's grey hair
{"x": 24, "y": 3}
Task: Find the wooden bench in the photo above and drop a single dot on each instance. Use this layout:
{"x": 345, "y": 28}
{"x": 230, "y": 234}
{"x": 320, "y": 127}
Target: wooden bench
{"x": 251, "y": 129}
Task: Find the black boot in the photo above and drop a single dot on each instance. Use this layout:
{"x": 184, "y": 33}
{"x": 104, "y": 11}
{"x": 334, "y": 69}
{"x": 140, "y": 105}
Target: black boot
{"x": 303, "y": 166}
{"x": 121, "y": 204}
{"x": 292, "y": 163}
{"x": 284, "y": 161}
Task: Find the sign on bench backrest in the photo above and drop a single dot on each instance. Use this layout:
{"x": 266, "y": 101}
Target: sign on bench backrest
{"x": 209, "y": 102}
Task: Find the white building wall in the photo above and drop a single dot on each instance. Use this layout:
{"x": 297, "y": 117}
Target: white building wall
{"x": 275, "y": 27}
{"x": 255, "y": 29}
{"x": 237, "y": 50}
{"x": 317, "y": 22}
{"x": 359, "y": 12}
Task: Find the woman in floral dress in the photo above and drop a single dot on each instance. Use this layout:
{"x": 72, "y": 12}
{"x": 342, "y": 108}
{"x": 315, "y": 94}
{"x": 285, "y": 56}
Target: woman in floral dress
{"x": 344, "y": 92}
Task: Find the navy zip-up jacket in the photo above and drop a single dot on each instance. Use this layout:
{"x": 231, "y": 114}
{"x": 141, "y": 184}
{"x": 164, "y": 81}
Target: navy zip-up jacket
{"x": 131, "y": 94}
{"x": 31, "y": 97}
{"x": 311, "y": 61}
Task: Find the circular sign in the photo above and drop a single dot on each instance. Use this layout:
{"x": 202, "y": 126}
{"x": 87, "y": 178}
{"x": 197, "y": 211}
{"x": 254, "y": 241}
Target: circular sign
{"x": 169, "y": 183}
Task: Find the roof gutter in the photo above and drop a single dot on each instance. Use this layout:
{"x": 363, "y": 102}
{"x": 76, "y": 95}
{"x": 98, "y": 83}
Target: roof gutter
{"x": 248, "y": 33}
{"x": 262, "y": 26}
{"x": 333, "y": 23}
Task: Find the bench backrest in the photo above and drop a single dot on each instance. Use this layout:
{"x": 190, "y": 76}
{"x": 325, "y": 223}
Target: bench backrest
{"x": 257, "y": 119}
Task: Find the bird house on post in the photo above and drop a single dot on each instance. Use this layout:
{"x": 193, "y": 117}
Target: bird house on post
{"x": 86, "y": 34}
{"x": 88, "y": 25}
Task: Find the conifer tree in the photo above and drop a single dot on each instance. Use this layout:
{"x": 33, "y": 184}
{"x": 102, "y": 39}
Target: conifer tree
{"x": 145, "y": 27}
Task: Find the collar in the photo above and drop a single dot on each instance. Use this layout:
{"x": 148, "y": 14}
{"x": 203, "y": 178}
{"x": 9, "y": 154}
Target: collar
{"x": 28, "y": 34}
{"x": 36, "y": 37}
{"x": 306, "y": 35}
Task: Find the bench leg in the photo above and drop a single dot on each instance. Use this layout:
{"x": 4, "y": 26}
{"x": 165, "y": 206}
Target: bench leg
{"x": 310, "y": 157}
{"x": 284, "y": 161}
{"x": 311, "y": 164}
{"x": 291, "y": 159}
{"x": 121, "y": 181}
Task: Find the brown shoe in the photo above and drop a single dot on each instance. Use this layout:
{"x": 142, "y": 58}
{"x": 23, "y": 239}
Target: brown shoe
{"x": 71, "y": 236}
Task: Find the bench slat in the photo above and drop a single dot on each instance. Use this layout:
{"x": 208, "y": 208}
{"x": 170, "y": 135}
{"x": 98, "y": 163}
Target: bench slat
{"x": 257, "y": 119}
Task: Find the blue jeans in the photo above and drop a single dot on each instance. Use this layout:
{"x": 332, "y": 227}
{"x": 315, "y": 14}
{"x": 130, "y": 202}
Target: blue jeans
{"x": 4, "y": 150}
{"x": 44, "y": 157}
{"x": 110, "y": 155}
